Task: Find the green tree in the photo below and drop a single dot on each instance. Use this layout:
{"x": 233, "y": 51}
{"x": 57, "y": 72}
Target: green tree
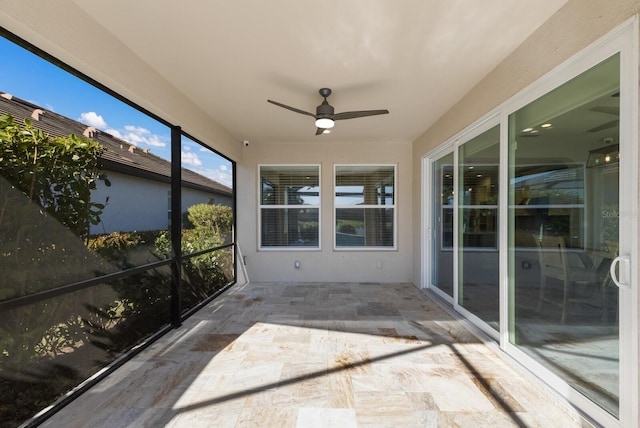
{"x": 45, "y": 213}
{"x": 57, "y": 173}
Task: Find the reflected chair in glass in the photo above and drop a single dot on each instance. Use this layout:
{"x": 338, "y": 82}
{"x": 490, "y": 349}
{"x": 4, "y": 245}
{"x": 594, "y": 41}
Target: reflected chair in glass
{"x": 553, "y": 260}
{"x": 610, "y": 253}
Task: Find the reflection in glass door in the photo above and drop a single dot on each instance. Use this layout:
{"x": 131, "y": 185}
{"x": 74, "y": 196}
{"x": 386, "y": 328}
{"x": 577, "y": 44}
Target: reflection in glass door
{"x": 442, "y": 224}
{"x": 478, "y": 262}
{"x": 563, "y": 231}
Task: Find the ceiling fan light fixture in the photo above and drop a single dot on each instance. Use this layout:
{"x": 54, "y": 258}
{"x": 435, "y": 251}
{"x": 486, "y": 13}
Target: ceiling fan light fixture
{"x": 324, "y": 122}
{"x": 325, "y": 117}
{"x": 607, "y": 155}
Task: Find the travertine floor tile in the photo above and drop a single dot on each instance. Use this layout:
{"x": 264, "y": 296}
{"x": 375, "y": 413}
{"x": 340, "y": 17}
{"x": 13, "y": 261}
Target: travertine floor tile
{"x": 317, "y": 355}
{"x": 324, "y": 418}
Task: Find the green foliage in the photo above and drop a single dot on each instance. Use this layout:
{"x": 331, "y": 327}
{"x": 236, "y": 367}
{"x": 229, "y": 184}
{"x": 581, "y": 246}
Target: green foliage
{"x": 202, "y": 274}
{"x": 125, "y": 249}
{"x": 209, "y": 266}
{"x": 45, "y": 217}
{"x": 45, "y": 211}
{"x": 216, "y": 218}
{"x": 115, "y": 245}
{"x": 140, "y": 305}
{"x": 43, "y": 330}
{"x": 57, "y": 173}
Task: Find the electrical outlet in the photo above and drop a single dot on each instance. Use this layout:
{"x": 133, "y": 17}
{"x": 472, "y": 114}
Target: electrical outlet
{"x": 296, "y": 264}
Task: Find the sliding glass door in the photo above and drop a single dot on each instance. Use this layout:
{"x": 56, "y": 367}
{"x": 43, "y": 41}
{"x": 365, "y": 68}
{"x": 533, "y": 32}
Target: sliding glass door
{"x": 532, "y": 228}
{"x": 477, "y": 232}
{"x": 441, "y": 224}
{"x": 563, "y": 218}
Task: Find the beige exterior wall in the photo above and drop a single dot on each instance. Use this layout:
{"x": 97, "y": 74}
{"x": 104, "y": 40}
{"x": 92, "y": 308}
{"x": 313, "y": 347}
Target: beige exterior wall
{"x": 63, "y": 30}
{"x": 325, "y": 264}
{"x": 571, "y": 29}
{"x": 57, "y": 29}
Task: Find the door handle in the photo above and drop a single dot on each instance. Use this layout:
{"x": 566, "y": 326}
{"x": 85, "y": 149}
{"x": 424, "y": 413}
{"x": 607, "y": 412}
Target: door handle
{"x": 624, "y": 270}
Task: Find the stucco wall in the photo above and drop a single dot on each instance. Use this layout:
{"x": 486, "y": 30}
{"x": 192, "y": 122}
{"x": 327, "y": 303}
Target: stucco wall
{"x": 325, "y": 264}
{"x": 141, "y": 204}
{"x": 572, "y": 28}
{"x": 134, "y": 204}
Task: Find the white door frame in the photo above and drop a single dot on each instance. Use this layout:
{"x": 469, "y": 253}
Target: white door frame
{"x": 427, "y": 217}
{"x": 623, "y": 39}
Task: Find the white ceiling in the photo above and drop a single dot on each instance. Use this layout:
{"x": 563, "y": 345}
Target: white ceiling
{"x": 416, "y": 58}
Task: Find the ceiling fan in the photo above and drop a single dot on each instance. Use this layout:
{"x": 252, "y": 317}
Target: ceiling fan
{"x": 325, "y": 117}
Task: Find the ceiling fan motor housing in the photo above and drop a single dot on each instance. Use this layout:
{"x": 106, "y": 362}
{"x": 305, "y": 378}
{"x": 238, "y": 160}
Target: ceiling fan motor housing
{"x": 324, "y": 110}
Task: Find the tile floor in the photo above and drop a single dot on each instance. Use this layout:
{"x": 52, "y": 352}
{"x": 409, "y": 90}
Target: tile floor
{"x": 318, "y": 355}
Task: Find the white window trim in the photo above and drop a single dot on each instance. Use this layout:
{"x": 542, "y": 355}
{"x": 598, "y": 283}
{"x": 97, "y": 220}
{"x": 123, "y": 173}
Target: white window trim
{"x": 394, "y": 206}
{"x": 261, "y": 206}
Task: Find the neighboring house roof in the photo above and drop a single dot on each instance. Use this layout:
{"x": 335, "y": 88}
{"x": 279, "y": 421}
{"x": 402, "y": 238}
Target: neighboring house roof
{"x": 120, "y": 156}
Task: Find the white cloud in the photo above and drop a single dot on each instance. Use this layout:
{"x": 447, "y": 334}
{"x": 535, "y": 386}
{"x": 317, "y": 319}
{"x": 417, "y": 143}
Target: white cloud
{"x": 143, "y": 137}
{"x": 92, "y": 118}
{"x": 224, "y": 168}
{"x": 156, "y": 141}
{"x": 132, "y": 134}
{"x": 115, "y": 133}
{"x": 133, "y": 138}
{"x": 190, "y": 158}
{"x": 138, "y": 136}
{"x": 218, "y": 175}
{"x": 137, "y": 130}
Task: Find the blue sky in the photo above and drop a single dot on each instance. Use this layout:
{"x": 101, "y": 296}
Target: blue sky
{"x": 27, "y": 76}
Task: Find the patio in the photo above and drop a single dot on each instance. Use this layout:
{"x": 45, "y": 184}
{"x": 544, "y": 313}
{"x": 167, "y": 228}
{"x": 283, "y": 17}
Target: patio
{"x": 319, "y": 355}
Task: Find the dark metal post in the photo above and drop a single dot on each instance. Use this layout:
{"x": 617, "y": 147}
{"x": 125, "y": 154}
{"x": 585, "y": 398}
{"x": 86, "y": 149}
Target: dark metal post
{"x": 176, "y": 225}
{"x": 234, "y": 229}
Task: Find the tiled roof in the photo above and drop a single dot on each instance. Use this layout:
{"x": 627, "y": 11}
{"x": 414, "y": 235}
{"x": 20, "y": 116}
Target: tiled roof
{"x": 120, "y": 155}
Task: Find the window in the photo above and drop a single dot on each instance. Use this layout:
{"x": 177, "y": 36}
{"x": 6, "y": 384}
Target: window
{"x": 550, "y": 198}
{"x": 478, "y": 161}
{"x": 365, "y": 206}
{"x": 289, "y": 206}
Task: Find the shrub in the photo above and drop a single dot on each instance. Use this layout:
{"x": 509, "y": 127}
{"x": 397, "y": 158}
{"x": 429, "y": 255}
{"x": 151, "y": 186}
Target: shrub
{"x": 205, "y": 273}
{"x": 215, "y": 218}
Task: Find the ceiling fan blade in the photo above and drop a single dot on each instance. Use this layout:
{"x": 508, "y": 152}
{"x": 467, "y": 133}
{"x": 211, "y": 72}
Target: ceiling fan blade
{"x": 320, "y": 131}
{"x": 613, "y": 110}
{"x": 604, "y": 126}
{"x": 356, "y": 114}
{"x": 297, "y": 110}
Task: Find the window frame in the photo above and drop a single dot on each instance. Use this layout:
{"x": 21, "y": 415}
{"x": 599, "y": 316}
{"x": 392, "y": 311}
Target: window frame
{"x": 262, "y": 206}
{"x": 394, "y": 206}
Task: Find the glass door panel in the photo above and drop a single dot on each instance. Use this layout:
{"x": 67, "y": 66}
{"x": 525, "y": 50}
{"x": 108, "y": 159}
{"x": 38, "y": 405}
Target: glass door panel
{"x": 478, "y": 262}
{"x": 442, "y": 224}
{"x": 563, "y": 231}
